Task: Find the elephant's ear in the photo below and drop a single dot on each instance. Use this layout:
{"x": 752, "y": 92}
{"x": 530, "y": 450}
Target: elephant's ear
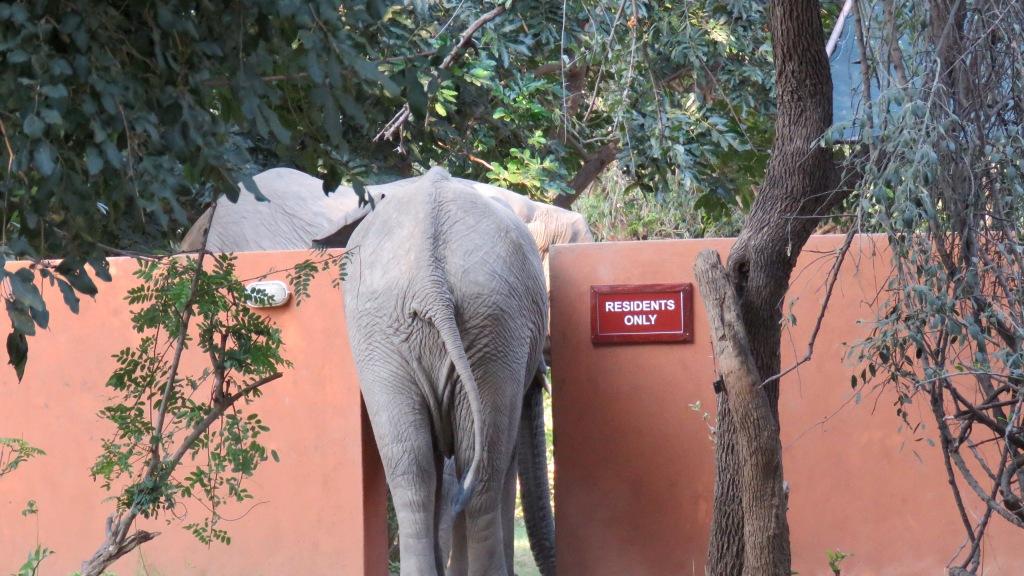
{"x": 338, "y": 233}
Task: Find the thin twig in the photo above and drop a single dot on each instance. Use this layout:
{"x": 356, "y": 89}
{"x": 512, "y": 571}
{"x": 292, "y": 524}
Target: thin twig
{"x": 465, "y": 38}
{"x": 7, "y": 143}
{"x": 833, "y": 275}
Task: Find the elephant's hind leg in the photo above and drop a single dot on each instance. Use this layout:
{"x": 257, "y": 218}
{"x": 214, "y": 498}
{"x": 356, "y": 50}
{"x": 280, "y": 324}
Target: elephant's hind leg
{"x": 488, "y": 537}
{"x": 401, "y": 426}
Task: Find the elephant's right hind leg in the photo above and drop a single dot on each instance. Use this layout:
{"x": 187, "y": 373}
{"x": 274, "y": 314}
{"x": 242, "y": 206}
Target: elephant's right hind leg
{"x": 401, "y": 427}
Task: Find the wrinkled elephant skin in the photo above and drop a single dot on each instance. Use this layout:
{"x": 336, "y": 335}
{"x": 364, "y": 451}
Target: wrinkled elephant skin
{"x": 447, "y": 312}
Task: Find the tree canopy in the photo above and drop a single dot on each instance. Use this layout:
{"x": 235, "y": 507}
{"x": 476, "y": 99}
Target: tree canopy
{"x": 120, "y": 121}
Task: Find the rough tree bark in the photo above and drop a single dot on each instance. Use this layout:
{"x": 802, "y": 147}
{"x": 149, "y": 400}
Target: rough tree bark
{"x": 798, "y": 188}
{"x": 757, "y": 439}
{"x": 591, "y": 169}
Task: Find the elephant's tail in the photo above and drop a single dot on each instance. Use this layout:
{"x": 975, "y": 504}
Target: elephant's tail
{"x": 449, "y": 330}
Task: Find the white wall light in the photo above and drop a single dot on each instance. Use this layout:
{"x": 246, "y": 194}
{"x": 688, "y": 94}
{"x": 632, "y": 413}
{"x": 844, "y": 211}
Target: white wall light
{"x": 267, "y": 294}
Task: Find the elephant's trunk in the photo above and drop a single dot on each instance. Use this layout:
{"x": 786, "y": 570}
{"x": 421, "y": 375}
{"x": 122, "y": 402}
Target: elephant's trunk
{"x": 535, "y": 492}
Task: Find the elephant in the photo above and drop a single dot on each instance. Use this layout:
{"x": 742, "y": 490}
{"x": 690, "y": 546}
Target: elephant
{"x": 298, "y": 212}
{"x": 447, "y": 316}
{"x": 299, "y": 215}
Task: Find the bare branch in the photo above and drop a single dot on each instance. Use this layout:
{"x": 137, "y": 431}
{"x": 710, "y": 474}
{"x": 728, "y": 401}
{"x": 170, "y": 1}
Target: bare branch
{"x": 833, "y": 275}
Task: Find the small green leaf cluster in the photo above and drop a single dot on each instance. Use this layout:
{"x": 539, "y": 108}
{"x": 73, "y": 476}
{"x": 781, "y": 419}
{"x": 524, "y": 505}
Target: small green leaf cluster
{"x": 14, "y": 452}
{"x": 300, "y": 277}
{"x": 161, "y": 410}
{"x": 35, "y": 558}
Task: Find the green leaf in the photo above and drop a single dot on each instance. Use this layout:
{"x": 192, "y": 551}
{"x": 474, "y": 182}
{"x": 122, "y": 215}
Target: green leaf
{"x": 70, "y": 298}
{"x": 439, "y": 108}
{"x": 21, "y": 320}
{"x": 40, "y": 316}
{"x": 55, "y": 91}
{"x": 33, "y": 127}
{"x": 273, "y": 454}
{"x": 24, "y": 289}
{"x": 376, "y": 9}
{"x": 414, "y": 93}
{"x": 77, "y": 277}
{"x": 93, "y": 160}
{"x": 51, "y": 116}
{"x": 44, "y": 159}
{"x": 101, "y": 267}
{"x": 369, "y": 71}
{"x": 17, "y": 352}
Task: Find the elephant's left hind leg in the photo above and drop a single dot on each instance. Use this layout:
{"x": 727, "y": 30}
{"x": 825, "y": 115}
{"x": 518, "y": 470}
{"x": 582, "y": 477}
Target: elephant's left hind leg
{"x": 401, "y": 427}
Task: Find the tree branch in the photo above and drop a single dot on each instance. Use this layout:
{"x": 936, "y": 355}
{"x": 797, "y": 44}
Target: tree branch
{"x": 833, "y": 275}
{"x": 465, "y": 38}
{"x": 218, "y": 411}
{"x": 118, "y": 542}
{"x": 591, "y": 169}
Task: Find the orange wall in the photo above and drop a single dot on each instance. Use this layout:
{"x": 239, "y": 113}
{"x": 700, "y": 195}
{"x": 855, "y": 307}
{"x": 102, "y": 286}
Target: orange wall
{"x": 635, "y": 465}
{"x": 310, "y": 514}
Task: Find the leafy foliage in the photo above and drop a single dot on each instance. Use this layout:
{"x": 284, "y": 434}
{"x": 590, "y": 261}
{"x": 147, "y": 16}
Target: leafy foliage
{"x": 618, "y": 210}
{"x": 35, "y": 558}
{"x": 941, "y": 178}
{"x": 120, "y": 120}
{"x": 164, "y": 415}
{"x": 14, "y": 452}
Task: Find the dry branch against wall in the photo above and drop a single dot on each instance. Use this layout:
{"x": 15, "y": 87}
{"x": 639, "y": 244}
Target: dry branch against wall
{"x": 760, "y": 451}
{"x": 946, "y": 185}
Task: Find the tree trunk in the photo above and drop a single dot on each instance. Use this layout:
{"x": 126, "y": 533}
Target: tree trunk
{"x": 798, "y": 188}
{"x": 765, "y": 531}
{"x": 591, "y": 169}
{"x": 111, "y": 550}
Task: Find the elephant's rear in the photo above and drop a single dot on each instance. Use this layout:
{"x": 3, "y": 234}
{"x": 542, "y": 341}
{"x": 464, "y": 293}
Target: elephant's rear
{"x": 436, "y": 255}
{"x": 441, "y": 235}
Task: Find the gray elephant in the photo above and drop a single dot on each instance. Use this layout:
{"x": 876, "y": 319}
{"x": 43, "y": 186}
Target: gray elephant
{"x": 298, "y": 214}
{"x": 447, "y": 308}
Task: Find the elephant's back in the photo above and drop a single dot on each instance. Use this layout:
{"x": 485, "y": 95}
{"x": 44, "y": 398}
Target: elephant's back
{"x": 293, "y": 211}
{"x": 441, "y": 226}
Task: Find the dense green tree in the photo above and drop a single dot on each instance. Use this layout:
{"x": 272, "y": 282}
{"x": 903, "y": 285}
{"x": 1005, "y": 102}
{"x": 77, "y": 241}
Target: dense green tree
{"x": 121, "y": 120}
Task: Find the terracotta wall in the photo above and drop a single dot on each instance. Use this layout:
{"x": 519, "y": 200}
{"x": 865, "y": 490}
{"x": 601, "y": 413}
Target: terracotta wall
{"x": 635, "y": 468}
{"x": 320, "y": 511}
{"x": 634, "y": 460}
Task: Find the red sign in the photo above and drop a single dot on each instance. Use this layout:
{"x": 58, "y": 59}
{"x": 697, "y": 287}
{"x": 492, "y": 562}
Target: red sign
{"x": 641, "y": 313}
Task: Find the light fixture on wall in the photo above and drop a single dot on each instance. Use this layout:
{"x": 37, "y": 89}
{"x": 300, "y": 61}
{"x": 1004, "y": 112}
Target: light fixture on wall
{"x": 267, "y": 294}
